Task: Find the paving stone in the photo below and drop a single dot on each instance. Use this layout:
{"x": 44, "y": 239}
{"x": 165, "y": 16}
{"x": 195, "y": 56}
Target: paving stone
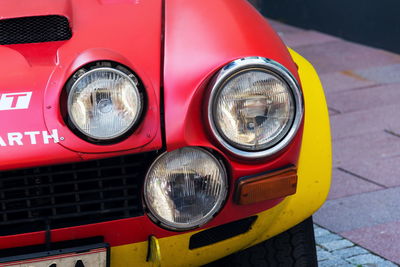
{"x": 344, "y": 184}
{"x": 394, "y": 129}
{"x": 342, "y": 56}
{"x": 344, "y": 256}
{"x": 382, "y": 74}
{"x": 383, "y": 171}
{"x": 302, "y": 38}
{"x": 365, "y": 147}
{"x": 337, "y": 244}
{"x": 324, "y": 255}
{"x": 318, "y": 231}
{"x": 379, "y": 264}
{"x": 334, "y": 263}
{"x": 375, "y": 156}
{"x": 381, "y": 239}
{"x": 350, "y": 252}
{"x": 342, "y": 81}
{"x": 364, "y": 99}
{"x": 363, "y": 210}
{"x": 333, "y": 112}
{"x": 365, "y": 121}
{"x": 387, "y": 264}
{"x": 366, "y": 259}
{"x": 327, "y": 238}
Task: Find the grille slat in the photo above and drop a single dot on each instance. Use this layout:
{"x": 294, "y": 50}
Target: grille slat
{"x": 37, "y": 29}
{"x": 80, "y": 203}
{"x": 81, "y": 181}
{"x": 44, "y": 218}
{"x": 65, "y": 195}
{"x": 70, "y": 171}
{"x": 119, "y": 188}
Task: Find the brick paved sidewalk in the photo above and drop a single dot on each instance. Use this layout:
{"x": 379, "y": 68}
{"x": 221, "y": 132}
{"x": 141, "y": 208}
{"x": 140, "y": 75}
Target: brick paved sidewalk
{"x": 362, "y": 86}
{"x": 335, "y": 251}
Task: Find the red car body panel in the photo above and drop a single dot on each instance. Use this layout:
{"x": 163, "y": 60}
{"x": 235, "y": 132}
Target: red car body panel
{"x": 194, "y": 49}
{"x": 44, "y": 68}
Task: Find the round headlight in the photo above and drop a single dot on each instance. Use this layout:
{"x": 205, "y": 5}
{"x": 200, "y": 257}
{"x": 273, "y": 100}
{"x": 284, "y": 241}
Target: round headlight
{"x": 185, "y": 188}
{"x": 255, "y": 107}
{"x": 104, "y": 103}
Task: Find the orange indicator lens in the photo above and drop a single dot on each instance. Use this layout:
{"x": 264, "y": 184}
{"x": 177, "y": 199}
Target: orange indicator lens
{"x": 267, "y": 186}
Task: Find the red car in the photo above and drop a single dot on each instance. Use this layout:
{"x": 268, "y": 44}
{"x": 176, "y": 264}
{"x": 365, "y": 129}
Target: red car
{"x": 157, "y": 132}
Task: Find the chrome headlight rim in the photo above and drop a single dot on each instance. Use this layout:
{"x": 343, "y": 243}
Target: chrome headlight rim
{"x": 180, "y": 227}
{"x": 230, "y": 71}
{"x": 119, "y": 69}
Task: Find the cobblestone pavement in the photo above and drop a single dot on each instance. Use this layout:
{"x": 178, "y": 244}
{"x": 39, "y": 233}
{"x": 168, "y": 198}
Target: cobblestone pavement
{"x": 362, "y": 87}
{"x": 335, "y": 251}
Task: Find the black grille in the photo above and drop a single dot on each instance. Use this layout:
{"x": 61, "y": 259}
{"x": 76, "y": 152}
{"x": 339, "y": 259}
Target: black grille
{"x": 36, "y": 29}
{"x": 220, "y": 233}
{"x": 74, "y": 194}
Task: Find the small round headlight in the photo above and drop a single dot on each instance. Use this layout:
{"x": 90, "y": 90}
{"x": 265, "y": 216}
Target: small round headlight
{"x": 255, "y": 107}
{"x": 104, "y": 103}
{"x": 185, "y": 188}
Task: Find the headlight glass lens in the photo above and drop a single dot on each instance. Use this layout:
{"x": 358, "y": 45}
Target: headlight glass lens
{"x": 185, "y": 188}
{"x": 104, "y": 103}
{"x": 254, "y": 109}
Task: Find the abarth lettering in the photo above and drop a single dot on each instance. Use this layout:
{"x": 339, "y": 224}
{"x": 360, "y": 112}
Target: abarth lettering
{"x": 29, "y": 138}
{"x": 13, "y": 101}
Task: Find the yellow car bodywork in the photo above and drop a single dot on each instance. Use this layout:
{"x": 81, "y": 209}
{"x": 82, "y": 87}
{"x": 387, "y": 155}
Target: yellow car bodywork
{"x": 314, "y": 177}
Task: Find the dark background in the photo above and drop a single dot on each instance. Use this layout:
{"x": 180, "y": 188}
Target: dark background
{"x": 371, "y": 22}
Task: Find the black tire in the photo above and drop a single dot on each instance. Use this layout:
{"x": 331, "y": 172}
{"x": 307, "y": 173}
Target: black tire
{"x": 295, "y": 247}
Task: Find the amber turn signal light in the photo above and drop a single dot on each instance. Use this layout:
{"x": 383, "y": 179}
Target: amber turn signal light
{"x": 267, "y": 186}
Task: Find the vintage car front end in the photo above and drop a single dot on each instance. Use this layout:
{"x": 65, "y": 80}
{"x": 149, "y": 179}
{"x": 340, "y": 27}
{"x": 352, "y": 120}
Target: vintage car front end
{"x": 153, "y": 133}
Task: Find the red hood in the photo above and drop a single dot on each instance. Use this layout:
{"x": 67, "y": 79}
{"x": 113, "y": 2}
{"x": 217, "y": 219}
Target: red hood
{"x": 26, "y": 8}
{"x": 102, "y": 30}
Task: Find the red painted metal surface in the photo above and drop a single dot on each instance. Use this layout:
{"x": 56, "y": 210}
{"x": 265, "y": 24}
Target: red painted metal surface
{"x": 201, "y": 36}
{"x": 102, "y": 30}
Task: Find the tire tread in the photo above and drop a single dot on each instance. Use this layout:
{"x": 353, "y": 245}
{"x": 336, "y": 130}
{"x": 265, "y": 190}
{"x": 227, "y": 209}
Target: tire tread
{"x": 295, "y": 247}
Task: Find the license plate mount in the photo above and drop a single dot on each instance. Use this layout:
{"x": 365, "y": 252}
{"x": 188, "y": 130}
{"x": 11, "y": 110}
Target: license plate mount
{"x": 96, "y": 255}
